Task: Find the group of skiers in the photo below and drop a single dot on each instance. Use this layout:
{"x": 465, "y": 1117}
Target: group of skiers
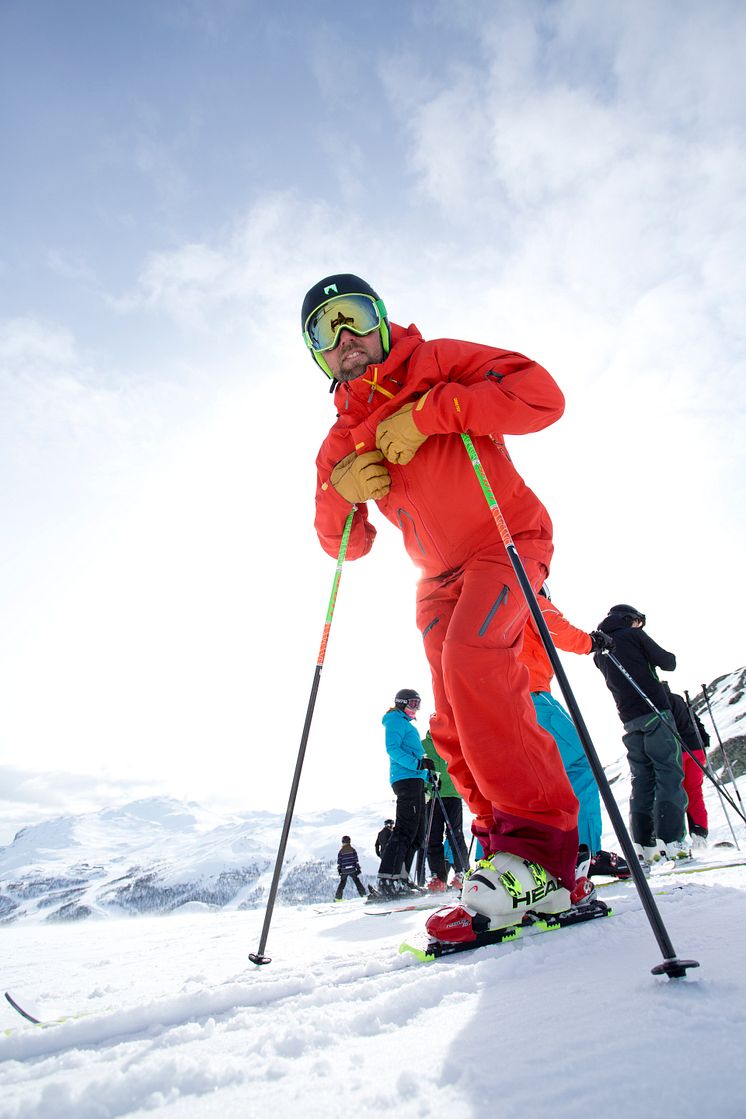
{"x": 418, "y": 427}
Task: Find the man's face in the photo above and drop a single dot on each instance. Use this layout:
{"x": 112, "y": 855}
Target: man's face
{"x": 353, "y": 354}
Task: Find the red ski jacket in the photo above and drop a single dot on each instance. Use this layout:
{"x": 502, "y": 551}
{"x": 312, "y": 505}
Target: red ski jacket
{"x": 436, "y": 500}
{"x": 565, "y": 636}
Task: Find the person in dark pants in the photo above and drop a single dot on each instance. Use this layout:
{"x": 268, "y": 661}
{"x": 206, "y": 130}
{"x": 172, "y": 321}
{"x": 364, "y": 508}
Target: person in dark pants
{"x": 694, "y": 736}
{"x": 383, "y": 837}
{"x": 348, "y": 866}
{"x": 448, "y": 805}
{"x": 658, "y": 802}
{"x": 407, "y": 767}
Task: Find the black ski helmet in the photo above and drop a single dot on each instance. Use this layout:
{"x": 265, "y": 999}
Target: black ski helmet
{"x": 624, "y": 610}
{"x": 341, "y": 283}
{"x": 346, "y": 839}
{"x": 404, "y": 698}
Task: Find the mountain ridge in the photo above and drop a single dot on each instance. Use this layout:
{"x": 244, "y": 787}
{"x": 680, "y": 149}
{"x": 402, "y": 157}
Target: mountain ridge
{"x": 158, "y": 854}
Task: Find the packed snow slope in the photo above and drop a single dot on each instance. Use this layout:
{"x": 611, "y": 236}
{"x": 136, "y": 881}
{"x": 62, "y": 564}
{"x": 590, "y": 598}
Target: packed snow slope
{"x": 177, "y": 1021}
{"x": 165, "y": 1014}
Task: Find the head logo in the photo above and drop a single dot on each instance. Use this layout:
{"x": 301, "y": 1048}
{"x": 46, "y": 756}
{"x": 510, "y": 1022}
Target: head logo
{"x": 332, "y": 287}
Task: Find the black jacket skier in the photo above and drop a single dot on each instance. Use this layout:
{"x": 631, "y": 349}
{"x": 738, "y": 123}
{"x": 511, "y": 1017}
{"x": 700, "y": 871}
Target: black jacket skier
{"x": 640, "y": 655}
{"x": 658, "y": 801}
{"x": 687, "y": 722}
{"x": 383, "y": 837}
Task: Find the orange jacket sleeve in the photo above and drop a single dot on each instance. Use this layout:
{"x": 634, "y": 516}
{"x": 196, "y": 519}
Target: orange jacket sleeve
{"x": 566, "y": 637}
{"x": 505, "y": 392}
{"x": 332, "y": 510}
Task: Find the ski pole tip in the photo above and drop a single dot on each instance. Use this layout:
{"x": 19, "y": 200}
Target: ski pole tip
{"x": 674, "y": 968}
{"x": 256, "y": 959}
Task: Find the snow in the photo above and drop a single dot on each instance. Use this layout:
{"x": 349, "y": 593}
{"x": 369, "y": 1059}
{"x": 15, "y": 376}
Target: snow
{"x": 171, "y": 1017}
{"x": 177, "y": 1020}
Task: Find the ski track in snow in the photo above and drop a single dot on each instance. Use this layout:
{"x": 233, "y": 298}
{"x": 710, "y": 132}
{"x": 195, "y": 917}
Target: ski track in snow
{"x": 339, "y": 1019}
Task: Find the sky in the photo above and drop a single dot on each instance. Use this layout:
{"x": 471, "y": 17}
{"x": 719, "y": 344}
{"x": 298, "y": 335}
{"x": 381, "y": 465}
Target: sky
{"x": 562, "y": 179}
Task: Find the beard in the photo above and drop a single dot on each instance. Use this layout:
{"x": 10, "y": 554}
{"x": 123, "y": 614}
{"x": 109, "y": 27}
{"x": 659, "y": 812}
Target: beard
{"x": 350, "y": 371}
{"x": 353, "y": 360}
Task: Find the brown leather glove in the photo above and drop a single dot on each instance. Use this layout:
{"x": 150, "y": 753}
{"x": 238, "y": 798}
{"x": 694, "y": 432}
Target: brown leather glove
{"x": 361, "y": 477}
{"x": 399, "y": 437}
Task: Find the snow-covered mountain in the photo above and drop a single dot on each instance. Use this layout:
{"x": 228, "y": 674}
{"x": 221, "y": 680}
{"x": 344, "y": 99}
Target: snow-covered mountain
{"x": 727, "y": 699}
{"x": 160, "y": 855}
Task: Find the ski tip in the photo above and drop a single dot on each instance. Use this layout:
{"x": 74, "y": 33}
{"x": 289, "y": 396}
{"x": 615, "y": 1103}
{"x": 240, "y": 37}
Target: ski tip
{"x": 24, "y": 1013}
{"x": 418, "y": 953}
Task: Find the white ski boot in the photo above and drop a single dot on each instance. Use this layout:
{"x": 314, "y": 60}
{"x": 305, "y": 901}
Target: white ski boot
{"x": 505, "y": 887}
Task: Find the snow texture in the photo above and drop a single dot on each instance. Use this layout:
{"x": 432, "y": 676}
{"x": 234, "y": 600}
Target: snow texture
{"x": 175, "y": 1020}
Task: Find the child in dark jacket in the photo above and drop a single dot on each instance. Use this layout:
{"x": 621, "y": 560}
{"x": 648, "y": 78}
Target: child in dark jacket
{"x": 348, "y": 866}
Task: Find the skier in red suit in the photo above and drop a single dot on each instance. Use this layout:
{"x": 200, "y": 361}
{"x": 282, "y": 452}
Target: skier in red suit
{"x": 402, "y": 404}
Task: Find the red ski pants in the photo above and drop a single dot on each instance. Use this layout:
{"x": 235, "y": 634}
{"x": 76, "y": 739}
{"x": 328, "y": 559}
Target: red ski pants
{"x": 693, "y": 778}
{"x": 506, "y": 767}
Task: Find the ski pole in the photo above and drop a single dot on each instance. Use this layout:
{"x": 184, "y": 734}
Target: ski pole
{"x": 426, "y": 843}
{"x": 674, "y": 732}
{"x": 258, "y": 957}
{"x": 721, "y": 744}
{"x": 458, "y": 850}
{"x": 690, "y": 709}
{"x": 671, "y": 965}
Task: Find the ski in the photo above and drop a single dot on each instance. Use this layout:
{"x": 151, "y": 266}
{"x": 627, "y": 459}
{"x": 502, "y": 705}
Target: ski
{"x": 671, "y": 867}
{"x": 42, "y": 1023}
{"x": 688, "y": 866}
{"x": 531, "y": 926}
{"x": 417, "y": 903}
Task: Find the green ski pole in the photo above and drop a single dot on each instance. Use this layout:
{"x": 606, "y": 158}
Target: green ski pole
{"x": 671, "y": 966}
{"x": 258, "y": 957}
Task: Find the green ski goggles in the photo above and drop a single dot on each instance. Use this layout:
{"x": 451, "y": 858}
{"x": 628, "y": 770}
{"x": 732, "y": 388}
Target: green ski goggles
{"x": 360, "y": 314}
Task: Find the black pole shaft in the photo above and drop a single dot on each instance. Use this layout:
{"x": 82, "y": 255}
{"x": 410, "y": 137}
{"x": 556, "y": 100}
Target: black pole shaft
{"x": 646, "y": 897}
{"x": 671, "y": 966}
{"x": 708, "y": 770}
{"x": 451, "y": 833}
{"x": 258, "y": 956}
{"x": 426, "y": 843}
{"x": 726, "y": 759}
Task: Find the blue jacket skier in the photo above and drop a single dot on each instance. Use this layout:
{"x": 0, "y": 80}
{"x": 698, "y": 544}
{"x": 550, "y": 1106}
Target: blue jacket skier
{"x": 407, "y": 766}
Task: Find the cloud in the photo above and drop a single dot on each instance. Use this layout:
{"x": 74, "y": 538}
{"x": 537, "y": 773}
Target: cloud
{"x": 28, "y": 797}
{"x": 73, "y": 423}
{"x": 550, "y": 183}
